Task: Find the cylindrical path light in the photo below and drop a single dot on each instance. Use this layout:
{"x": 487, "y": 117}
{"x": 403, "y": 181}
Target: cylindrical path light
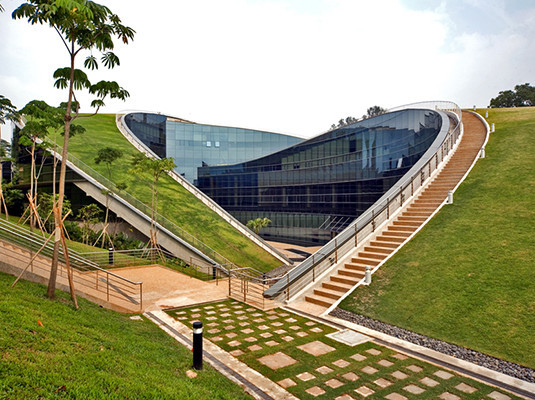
{"x": 197, "y": 345}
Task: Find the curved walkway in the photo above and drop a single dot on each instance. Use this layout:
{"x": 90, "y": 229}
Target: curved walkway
{"x": 401, "y": 229}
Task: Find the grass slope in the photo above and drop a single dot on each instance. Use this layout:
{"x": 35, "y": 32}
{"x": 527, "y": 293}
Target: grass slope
{"x": 469, "y": 276}
{"x": 91, "y": 353}
{"x": 175, "y": 202}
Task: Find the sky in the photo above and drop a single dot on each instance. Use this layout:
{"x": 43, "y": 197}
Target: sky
{"x": 288, "y": 66}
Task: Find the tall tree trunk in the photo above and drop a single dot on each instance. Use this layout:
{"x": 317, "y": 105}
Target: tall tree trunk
{"x": 61, "y": 189}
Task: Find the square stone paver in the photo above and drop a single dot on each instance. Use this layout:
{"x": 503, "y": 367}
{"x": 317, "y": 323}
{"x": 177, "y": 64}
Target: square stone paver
{"x": 272, "y": 317}
{"x": 429, "y": 382}
{"x": 358, "y": 357}
{"x": 449, "y": 396}
{"x": 277, "y": 360}
{"x": 277, "y": 324}
{"x": 263, "y": 327}
{"x": 400, "y": 357}
{"x": 212, "y": 324}
{"x": 231, "y": 335}
{"x": 301, "y": 334}
{"x": 295, "y": 327}
{"x": 305, "y": 376}
{"x": 286, "y": 383}
{"x": 250, "y": 339}
{"x": 211, "y": 318}
{"x": 256, "y": 314}
{"x": 399, "y": 375}
{"x": 280, "y": 331}
{"x": 255, "y": 347}
{"x": 334, "y": 383}
{"x": 374, "y": 352}
{"x": 350, "y": 376}
{"x": 369, "y": 370}
{"x": 443, "y": 374}
{"x": 287, "y": 338}
{"x": 324, "y": 370}
{"x": 247, "y": 331}
{"x": 265, "y": 335}
{"x": 395, "y": 396}
{"x": 385, "y": 363}
{"x": 345, "y": 397}
{"x": 316, "y": 348}
{"x": 272, "y": 343}
{"x": 216, "y": 338}
{"x": 236, "y": 353}
{"x": 290, "y": 320}
{"x": 415, "y": 368}
{"x": 364, "y": 391}
{"x": 382, "y": 382}
{"x": 258, "y": 320}
{"x": 215, "y": 330}
{"x": 234, "y": 343}
{"x": 243, "y": 323}
{"x": 349, "y": 337}
{"x": 310, "y": 323}
{"x": 498, "y": 396}
{"x": 230, "y": 327}
{"x": 463, "y": 387}
{"x": 315, "y": 391}
{"x": 341, "y": 363}
{"x": 243, "y": 317}
{"x": 414, "y": 389}
{"x": 316, "y": 330}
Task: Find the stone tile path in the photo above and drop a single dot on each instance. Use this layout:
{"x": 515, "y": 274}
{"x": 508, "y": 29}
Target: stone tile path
{"x": 302, "y": 357}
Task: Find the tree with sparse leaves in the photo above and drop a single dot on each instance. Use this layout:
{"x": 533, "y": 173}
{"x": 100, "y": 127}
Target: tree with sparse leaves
{"x": 8, "y": 112}
{"x": 152, "y": 169}
{"x": 82, "y": 25}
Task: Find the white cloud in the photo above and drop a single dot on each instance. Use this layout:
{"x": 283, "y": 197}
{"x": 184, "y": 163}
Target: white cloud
{"x": 282, "y": 65}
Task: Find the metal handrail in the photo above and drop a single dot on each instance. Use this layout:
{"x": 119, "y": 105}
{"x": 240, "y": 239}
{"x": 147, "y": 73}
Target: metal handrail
{"x": 390, "y": 202}
{"x": 25, "y": 239}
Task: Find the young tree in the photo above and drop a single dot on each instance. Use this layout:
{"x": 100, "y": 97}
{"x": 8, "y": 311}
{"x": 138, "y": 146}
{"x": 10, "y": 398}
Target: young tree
{"x": 257, "y": 224}
{"x": 153, "y": 169}
{"x": 88, "y": 215}
{"x": 7, "y": 112}
{"x": 107, "y": 155}
{"x": 81, "y": 25}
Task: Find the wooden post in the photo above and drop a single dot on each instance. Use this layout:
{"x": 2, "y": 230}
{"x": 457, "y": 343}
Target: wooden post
{"x": 335, "y": 251}
{"x": 387, "y": 208}
{"x": 373, "y": 220}
{"x": 356, "y": 234}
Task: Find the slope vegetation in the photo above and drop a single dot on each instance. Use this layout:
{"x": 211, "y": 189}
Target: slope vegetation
{"x": 469, "y": 276}
{"x": 174, "y": 202}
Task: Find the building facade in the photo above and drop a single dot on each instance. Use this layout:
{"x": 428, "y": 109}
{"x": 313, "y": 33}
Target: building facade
{"x": 310, "y": 189}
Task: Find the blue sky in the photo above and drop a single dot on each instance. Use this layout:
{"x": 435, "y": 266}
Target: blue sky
{"x": 290, "y": 66}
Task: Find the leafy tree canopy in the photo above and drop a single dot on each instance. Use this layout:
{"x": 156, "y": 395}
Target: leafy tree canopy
{"x": 521, "y": 96}
{"x": 7, "y": 110}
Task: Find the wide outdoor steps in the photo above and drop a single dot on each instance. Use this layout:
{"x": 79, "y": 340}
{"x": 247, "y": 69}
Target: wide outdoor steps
{"x": 409, "y": 221}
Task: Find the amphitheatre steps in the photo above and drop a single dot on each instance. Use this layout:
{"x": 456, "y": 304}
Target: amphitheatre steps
{"x": 402, "y": 227}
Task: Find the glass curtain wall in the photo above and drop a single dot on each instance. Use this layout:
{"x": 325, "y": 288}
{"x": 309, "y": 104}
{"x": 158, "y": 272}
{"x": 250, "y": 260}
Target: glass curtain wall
{"x": 314, "y": 189}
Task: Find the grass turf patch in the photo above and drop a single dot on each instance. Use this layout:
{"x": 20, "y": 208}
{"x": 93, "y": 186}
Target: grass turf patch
{"x": 174, "y": 201}
{"x": 468, "y": 277}
{"x": 252, "y": 335}
{"x": 49, "y": 350}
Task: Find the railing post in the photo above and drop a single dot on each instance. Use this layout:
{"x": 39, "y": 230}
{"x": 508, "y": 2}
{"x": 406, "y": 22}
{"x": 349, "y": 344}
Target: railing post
{"x": 141, "y": 296}
{"x": 373, "y": 220}
{"x": 356, "y": 234}
{"x": 401, "y": 196}
{"x": 287, "y": 286}
{"x": 412, "y": 186}
{"x": 335, "y": 251}
{"x": 387, "y": 208}
{"x": 313, "y": 269}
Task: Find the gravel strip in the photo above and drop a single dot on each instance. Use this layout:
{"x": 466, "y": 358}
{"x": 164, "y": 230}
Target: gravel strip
{"x": 505, "y": 367}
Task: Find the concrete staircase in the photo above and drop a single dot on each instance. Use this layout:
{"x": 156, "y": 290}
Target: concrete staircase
{"x": 414, "y": 216}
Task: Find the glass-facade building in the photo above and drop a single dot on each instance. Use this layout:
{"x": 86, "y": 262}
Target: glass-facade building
{"x": 192, "y": 145}
{"x": 310, "y": 189}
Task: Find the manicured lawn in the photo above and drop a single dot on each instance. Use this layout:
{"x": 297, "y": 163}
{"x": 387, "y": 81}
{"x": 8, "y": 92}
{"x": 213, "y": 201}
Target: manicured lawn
{"x": 255, "y": 336}
{"x": 175, "y": 202}
{"x": 469, "y": 276}
{"x": 49, "y": 350}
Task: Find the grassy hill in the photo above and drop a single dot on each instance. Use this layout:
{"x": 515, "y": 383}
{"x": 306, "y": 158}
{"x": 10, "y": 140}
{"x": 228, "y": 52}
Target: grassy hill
{"x": 175, "y": 202}
{"x": 469, "y": 276}
{"x": 49, "y": 350}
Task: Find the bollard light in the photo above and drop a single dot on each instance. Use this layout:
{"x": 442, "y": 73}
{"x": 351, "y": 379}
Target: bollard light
{"x": 197, "y": 345}
{"x": 450, "y": 196}
{"x": 482, "y": 153}
{"x": 486, "y": 113}
{"x": 492, "y": 128}
{"x": 368, "y": 275}
{"x": 110, "y": 256}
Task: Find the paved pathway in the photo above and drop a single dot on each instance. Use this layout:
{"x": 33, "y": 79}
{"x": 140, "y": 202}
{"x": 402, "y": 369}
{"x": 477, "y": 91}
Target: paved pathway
{"x": 310, "y": 360}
